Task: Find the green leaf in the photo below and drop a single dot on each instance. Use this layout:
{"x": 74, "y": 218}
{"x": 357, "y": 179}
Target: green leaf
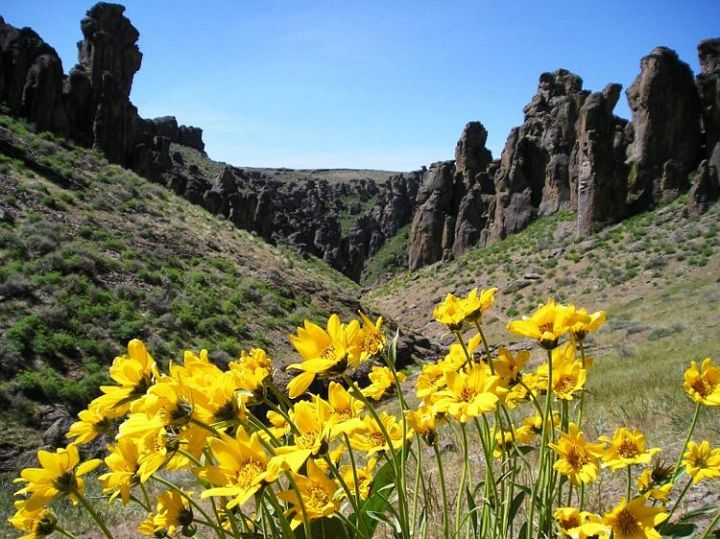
{"x": 326, "y": 527}
{"x": 472, "y": 510}
{"x": 678, "y": 531}
{"x": 376, "y": 503}
{"x": 515, "y": 505}
{"x": 707, "y": 510}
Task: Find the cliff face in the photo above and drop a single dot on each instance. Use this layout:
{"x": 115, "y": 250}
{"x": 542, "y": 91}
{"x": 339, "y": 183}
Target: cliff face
{"x": 91, "y": 104}
{"x": 570, "y": 153}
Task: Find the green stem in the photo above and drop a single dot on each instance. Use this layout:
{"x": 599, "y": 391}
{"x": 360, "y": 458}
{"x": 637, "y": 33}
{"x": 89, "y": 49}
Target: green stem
{"x": 488, "y": 357}
{"x": 148, "y": 505}
{"x": 65, "y": 532}
{"x": 582, "y": 391}
{"x": 628, "y": 495}
{"x": 677, "y": 503}
{"x": 711, "y": 526}
{"x": 92, "y": 512}
{"x": 687, "y": 441}
{"x": 463, "y": 477}
{"x": 459, "y": 337}
{"x": 545, "y": 464}
{"x": 192, "y": 502}
{"x": 446, "y": 516}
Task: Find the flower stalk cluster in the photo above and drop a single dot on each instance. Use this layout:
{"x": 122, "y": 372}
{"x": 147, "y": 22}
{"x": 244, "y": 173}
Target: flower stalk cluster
{"x": 326, "y": 456}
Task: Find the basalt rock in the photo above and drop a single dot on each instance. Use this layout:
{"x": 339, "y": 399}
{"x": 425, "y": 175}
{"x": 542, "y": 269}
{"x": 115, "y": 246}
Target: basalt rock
{"x": 533, "y": 178}
{"x": 666, "y": 127}
{"x": 598, "y": 172}
{"x": 91, "y": 105}
{"x": 436, "y": 198}
{"x": 705, "y": 189}
{"x": 708, "y": 85}
{"x": 31, "y": 78}
{"x": 471, "y": 155}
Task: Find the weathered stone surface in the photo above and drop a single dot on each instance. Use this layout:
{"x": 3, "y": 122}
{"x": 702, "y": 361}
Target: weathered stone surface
{"x": 533, "y": 178}
{"x": 705, "y": 189}
{"x": 598, "y": 172}
{"x": 666, "y": 125}
{"x": 31, "y": 78}
{"x": 435, "y": 204}
{"x": 92, "y": 104}
{"x": 471, "y": 155}
{"x": 472, "y": 219}
{"x": 708, "y": 85}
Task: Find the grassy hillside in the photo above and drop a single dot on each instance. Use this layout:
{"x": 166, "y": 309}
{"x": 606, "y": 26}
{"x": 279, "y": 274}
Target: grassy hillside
{"x": 98, "y": 256}
{"x": 657, "y": 275}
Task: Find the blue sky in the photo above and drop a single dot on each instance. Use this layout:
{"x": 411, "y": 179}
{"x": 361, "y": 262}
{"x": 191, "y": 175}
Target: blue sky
{"x": 369, "y": 84}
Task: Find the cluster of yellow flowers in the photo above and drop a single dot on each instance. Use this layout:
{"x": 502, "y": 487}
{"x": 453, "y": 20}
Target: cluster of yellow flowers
{"x": 268, "y": 462}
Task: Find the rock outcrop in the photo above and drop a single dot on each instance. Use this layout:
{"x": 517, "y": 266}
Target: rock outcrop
{"x": 665, "y": 128}
{"x": 91, "y": 105}
{"x": 705, "y": 188}
{"x": 533, "y": 178}
{"x": 598, "y": 186}
{"x": 708, "y": 85}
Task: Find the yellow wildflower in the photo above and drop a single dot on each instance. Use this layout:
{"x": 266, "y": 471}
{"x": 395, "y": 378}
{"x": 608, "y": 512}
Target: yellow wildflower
{"x": 135, "y": 372}
{"x": 703, "y": 385}
{"x": 424, "y": 421}
{"x": 701, "y": 462}
{"x": 370, "y": 340}
{"x": 509, "y": 366}
{"x": 318, "y": 496}
{"x": 364, "y": 478}
{"x": 312, "y": 439}
{"x": 626, "y": 448}
{"x": 635, "y": 520}
{"x": 475, "y": 305}
{"x": 548, "y": 323}
{"x": 569, "y": 377}
{"x": 450, "y": 312}
{"x": 583, "y": 326}
{"x": 651, "y": 489}
{"x": 59, "y": 475}
{"x": 38, "y": 523}
{"x": 323, "y": 352}
{"x": 173, "y": 511}
{"x": 381, "y": 379}
{"x": 123, "y": 463}
{"x": 241, "y": 468}
{"x": 372, "y": 440}
{"x": 581, "y": 524}
{"x": 92, "y": 423}
{"x": 577, "y": 459}
{"x": 469, "y": 394}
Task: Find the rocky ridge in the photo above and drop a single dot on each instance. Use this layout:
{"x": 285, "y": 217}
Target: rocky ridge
{"x": 571, "y": 152}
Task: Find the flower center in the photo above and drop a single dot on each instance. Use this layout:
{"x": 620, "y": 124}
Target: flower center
{"x": 371, "y": 343}
{"x": 316, "y": 499}
{"x": 577, "y": 458}
{"x": 248, "y": 473}
{"x": 329, "y": 353}
{"x": 565, "y": 384}
{"x": 628, "y": 449}
{"x": 307, "y": 440}
{"x": 466, "y": 395}
{"x": 702, "y": 387}
{"x": 377, "y": 439}
{"x": 627, "y": 523}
